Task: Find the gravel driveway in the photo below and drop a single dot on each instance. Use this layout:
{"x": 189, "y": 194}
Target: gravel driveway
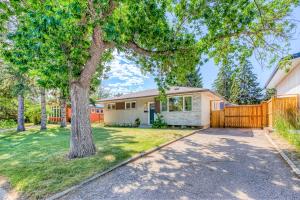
{"x": 212, "y": 164}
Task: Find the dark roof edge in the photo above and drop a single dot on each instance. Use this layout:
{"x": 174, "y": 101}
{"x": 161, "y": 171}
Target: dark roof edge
{"x": 293, "y": 56}
{"x": 202, "y": 90}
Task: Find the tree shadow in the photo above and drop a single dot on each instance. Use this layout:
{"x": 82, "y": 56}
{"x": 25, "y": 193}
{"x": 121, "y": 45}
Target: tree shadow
{"x": 203, "y": 166}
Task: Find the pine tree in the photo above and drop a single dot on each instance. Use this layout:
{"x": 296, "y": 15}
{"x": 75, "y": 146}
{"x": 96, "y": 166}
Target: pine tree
{"x": 245, "y": 88}
{"x": 191, "y": 79}
{"x": 223, "y": 83}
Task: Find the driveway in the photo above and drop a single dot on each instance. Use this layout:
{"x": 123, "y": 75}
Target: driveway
{"x": 211, "y": 164}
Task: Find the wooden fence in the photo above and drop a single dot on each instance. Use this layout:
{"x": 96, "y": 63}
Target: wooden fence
{"x": 252, "y": 116}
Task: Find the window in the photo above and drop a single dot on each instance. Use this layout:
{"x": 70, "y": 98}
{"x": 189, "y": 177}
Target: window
{"x": 97, "y": 110}
{"x": 127, "y": 105}
{"x": 101, "y": 111}
{"x": 187, "y": 103}
{"x": 164, "y": 106}
{"x": 111, "y": 106}
{"x": 133, "y": 104}
{"x": 175, "y": 103}
{"x": 92, "y": 110}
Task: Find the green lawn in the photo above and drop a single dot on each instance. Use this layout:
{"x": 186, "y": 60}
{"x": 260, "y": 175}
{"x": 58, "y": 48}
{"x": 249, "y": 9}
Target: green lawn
{"x": 35, "y": 162}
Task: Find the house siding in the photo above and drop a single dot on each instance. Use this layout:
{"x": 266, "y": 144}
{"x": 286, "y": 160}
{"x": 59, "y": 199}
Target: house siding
{"x": 128, "y": 116}
{"x": 291, "y": 83}
{"x": 188, "y": 118}
{"x": 206, "y": 98}
{"x": 199, "y": 116}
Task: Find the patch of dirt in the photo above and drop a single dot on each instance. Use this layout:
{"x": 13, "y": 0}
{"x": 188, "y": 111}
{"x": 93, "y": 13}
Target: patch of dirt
{"x": 7, "y": 193}
{"x": 290, "y": 150}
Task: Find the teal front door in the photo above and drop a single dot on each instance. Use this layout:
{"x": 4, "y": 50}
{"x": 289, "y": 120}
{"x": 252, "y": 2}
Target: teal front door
{"x": 151, "y": 112}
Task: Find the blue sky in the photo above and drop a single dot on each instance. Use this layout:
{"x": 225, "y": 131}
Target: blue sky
{"x": 126, "y": 77}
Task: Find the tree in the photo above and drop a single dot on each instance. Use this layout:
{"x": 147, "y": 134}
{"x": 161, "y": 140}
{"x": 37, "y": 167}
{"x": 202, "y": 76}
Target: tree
{"x": 245, "y": 88}
{"x": 80, "y": 35}
{"x": 191, "y": 79}
{"x": 223, "y": 82}
{"x": 18, "y": 83}
{"x": 269, "y": 94}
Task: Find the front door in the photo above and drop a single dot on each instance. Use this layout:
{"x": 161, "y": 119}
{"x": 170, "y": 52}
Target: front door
{"x": 151, "y": 112}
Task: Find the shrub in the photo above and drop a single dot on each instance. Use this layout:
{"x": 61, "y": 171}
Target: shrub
{"x": 9, "y": 123}
{"x": 137, "y": 122}
{"x": 159, "y": 122}
{"x": 33, "y": 114}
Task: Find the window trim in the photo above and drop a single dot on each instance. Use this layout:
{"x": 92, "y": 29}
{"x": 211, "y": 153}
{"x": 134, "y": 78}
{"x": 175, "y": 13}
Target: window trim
{"x": 191, "y": 103}
{"x": 111, "y": 104}
{"x": 126, "y": 105}
{"x": 131, "y": 104}
{"x": 183, "y": 105}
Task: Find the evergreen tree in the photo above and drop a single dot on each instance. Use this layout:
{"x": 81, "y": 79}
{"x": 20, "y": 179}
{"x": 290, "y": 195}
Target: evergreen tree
{"x": 245, "y": 88}
{"x": 223, "y": 83}
{"x": 190, "y": 79}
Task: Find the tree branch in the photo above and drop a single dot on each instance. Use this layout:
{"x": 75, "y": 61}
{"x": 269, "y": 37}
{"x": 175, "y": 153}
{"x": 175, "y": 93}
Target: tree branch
{"x": 140, "y": 50}
{"x": 112, "y": 7}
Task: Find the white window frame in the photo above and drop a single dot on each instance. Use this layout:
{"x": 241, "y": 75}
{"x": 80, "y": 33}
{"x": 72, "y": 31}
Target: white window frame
{"x": 127, "y": 102}
{"x": 184, "y": 103}
{"x": 111, "y": 104}
{"x": 131, "y": 104}
{"x": 183, "y": 109}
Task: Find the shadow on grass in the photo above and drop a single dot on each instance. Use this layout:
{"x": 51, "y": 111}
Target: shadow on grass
{"x": 35, "y": 162}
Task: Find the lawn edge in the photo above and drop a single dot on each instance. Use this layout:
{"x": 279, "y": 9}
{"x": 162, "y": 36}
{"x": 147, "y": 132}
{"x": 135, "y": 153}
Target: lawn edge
{"x": 292, "y": 165}
{"x": 132, "y": 159}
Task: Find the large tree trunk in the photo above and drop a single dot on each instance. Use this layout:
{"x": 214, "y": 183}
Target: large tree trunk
{"x": 63, "y": 109}
{"x": 21, "y": 121}
{"x": 81, "y": 141}
{"x": 43, "y": 110}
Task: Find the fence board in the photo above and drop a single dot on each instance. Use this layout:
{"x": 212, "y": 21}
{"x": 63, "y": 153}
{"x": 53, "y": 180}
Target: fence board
{"x": 252, "y": 116}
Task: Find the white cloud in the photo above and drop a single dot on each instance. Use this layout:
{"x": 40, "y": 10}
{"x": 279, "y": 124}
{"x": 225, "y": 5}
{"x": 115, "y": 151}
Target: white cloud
{"x": 124, "y": 76}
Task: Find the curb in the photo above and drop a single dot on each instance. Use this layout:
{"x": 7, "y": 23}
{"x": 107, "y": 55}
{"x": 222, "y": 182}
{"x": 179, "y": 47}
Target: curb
{"x": 295, "y": 169}
{"x": 140, "y": 155}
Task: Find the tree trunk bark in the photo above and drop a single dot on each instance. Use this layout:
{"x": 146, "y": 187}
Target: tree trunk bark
{"x": 81, "y": 141}
{"x": 43, "y": 110}
{"x": 21, "y": 120}
{"x": 63, "y": 109}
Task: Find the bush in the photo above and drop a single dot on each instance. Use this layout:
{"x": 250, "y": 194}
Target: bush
{"x": 125, "y": 125}
{"x": 137, "y": 122}
{"x": 9, "y": 123}
{"x": 33, "y": 114}
{"x": 159, "y": 122}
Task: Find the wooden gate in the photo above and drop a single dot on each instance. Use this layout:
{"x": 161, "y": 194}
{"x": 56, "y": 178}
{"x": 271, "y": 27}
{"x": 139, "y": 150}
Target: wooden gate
{"x": 246, "y": 116}
{"x": 251, "y": 116}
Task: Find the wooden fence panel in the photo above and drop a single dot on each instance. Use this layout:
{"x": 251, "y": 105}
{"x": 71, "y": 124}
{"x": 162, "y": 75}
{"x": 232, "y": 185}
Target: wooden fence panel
{"x": 217, "y": 119}
{"x": 253, "y": 116}
{"x": 279, "y": 106}
{"x": 245, "y": 116}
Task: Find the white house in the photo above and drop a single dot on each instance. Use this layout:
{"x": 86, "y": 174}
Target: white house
{"x": 286, "y": 81}
{"x": 184, "y": 106}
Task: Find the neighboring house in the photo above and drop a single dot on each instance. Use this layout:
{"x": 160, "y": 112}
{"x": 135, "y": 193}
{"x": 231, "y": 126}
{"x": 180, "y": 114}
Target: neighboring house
{"x": 96, "y": 113}
{"x": 286, "y": 81}
{"x": 184, "y": 106}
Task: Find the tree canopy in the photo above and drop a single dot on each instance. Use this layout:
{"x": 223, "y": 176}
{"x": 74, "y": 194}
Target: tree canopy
{"x": 245, "y": 88}
{"x": 164, "y": 37}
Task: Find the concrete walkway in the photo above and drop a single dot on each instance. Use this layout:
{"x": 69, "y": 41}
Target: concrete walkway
{"x": 212, "y": 164}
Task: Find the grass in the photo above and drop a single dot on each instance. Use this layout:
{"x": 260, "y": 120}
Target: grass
{"x": 36, "y": 163}
{"x": 284, "y": 127}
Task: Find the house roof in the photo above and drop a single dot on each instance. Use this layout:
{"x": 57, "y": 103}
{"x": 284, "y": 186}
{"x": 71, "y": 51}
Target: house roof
{"x": 278, "y": 74}
{"x": 155, "y": 92}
